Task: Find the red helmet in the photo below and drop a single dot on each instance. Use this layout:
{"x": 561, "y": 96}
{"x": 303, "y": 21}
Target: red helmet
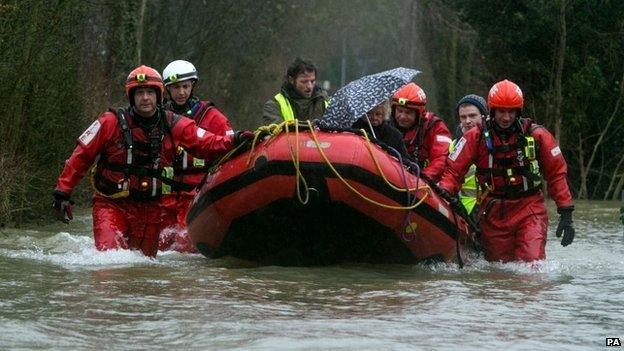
{"x": 144, "y": 76}
{"x": 410, "y": 96}
{"x": 505, "y": 94}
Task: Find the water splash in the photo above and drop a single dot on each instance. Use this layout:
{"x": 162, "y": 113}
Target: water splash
{"x": 75, "y": 250}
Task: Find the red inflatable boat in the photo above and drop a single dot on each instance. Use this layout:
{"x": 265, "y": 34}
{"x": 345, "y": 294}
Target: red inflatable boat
{"x": 310, "y": 198}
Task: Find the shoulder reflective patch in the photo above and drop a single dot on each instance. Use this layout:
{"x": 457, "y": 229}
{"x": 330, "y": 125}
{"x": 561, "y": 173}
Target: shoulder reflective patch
{"x": 201, "y": 132}
{"x": 555, "y": 151}
{"x": 88, "y": 135}
{"x": 229, "y": 132}
{"x": 458, "y": 148}
{"x": 443, "y": 138}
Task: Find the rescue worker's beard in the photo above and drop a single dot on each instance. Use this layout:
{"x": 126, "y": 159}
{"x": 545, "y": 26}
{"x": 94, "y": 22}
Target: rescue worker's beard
{"x": 505, "y": 133}
{"x": 182, "y": 109}
{"x": 406, "y": 129}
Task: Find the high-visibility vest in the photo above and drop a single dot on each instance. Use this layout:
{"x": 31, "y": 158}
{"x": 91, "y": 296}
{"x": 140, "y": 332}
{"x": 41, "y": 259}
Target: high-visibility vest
{"x": 286, "y": 109}
{"x": 468, "y": 192}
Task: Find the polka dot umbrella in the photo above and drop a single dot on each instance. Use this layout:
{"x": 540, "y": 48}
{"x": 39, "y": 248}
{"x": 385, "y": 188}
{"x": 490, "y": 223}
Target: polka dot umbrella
{"x": 353, "y": 100}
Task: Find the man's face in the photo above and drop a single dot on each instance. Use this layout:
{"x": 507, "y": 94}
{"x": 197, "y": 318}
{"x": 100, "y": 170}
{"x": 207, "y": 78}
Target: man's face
{"x": 376, "y": 116}
{"x": 405, "y": 117}
{"x": 145, "y": 101}
{"x": 469, "y": 116}
{"x": 505, "y": 117}
{"x": 181, "y": 91}
{"x": 304, "y": 83}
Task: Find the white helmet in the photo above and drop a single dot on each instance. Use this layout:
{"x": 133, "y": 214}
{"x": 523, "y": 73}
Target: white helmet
{"x": 178, "y": 71}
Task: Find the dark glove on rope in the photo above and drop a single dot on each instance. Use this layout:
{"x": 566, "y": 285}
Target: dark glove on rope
{"x": 242, "y": 136}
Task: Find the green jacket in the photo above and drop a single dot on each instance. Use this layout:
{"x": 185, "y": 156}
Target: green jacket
{"x": 302, "y": 108}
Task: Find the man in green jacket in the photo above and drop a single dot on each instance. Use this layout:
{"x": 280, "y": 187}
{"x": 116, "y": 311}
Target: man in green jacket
{"x": 299, "y": 98}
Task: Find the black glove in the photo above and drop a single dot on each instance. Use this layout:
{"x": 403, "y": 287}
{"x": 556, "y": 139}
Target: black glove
{"x": 565, "y": 225}
{"x": 427, "y": 179}
{"x": 62, "y": 206}
{"x": 452, "y": 200}
{"x": 242, "y": 136}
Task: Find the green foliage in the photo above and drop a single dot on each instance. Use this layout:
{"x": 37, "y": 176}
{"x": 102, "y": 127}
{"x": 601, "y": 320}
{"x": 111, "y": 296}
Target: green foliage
{"x": 64, "y": 62}
{"x": 519, "y": 41}
{"x": 42, "y": 99}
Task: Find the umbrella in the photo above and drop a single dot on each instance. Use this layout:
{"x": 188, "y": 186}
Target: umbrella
{"x": 353, "y": 100}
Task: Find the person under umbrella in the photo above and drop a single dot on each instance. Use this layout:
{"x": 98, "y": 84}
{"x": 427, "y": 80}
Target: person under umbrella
{"x": 374, "y": 122}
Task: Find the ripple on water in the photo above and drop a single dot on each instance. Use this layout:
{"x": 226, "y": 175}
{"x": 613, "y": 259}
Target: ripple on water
{"x": 58, "y": 292}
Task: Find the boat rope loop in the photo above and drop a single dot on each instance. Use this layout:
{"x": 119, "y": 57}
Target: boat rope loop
{"x": 354, "y": 190}
{"x": 270, "y": 132}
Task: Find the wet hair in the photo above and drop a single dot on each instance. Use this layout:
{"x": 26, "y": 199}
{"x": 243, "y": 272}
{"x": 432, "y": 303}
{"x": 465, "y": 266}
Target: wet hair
{"x": 298, "y": 67}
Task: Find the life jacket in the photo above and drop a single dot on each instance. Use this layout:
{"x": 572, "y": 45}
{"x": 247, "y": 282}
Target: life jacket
{"x": 512, "y": 168}
{"x": 286, "y": 109}
{"x": 415, "y": 136}
{"x": 137, "y": 166}
{"x": 183, "y": 163}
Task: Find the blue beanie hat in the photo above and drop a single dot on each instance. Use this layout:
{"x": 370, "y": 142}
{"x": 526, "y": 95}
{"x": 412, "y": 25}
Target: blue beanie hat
{"x": 473, "y": 99}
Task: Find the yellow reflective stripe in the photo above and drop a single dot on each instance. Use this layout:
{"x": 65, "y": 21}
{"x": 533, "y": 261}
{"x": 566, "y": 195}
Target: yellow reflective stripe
{"x": 198, "y": 162}
{"x": 469, "y": 188}
{"x": 285, "y": 109}
{"x": 529, "y": 149}
{"x": 468, "y": 192}
{"x": 326, "y": 104}
{"x": 167, "y": 172}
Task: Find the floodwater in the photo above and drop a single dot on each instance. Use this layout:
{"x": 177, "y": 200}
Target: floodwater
{"x": 58, "y": 293}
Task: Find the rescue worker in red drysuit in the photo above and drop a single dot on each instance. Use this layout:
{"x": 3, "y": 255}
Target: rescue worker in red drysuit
{"x": 426, "y": 136}
{"x": 512, "y": 154}
{"x": 180, "y": 77}
{"x": 132, "y": 147}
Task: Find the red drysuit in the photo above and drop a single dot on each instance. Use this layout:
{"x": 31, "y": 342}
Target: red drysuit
{"x": 127, "y": 212}
{"x": 429, "y": 142}
{"x": 513, "y": 212}
{"x": 189, "y": 170}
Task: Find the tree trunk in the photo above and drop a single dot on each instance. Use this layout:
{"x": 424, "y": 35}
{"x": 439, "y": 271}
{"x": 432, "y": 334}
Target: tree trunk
{"x": 139, "y": 32}
{"x": 618, "y": 188}
{"x": 559, "y": 68}
{"x": 582, "y": 192}
{"x": 596, "y": 146}
{"x": 613, "y": 179}
{"x": 452, "y": 69}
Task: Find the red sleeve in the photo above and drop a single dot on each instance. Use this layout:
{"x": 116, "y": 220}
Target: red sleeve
{"x": 215, "y": 122}
{"x": 553, "y": 166}
{"x": 89, "y": 145}
{"x": 438, "y": 139}
{"x": 464, "y": 154}
{"x": 200, "y": 142}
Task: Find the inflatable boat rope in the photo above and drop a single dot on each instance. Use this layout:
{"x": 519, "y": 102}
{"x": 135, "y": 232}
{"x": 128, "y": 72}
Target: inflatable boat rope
{"x": 273, "y": 130}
